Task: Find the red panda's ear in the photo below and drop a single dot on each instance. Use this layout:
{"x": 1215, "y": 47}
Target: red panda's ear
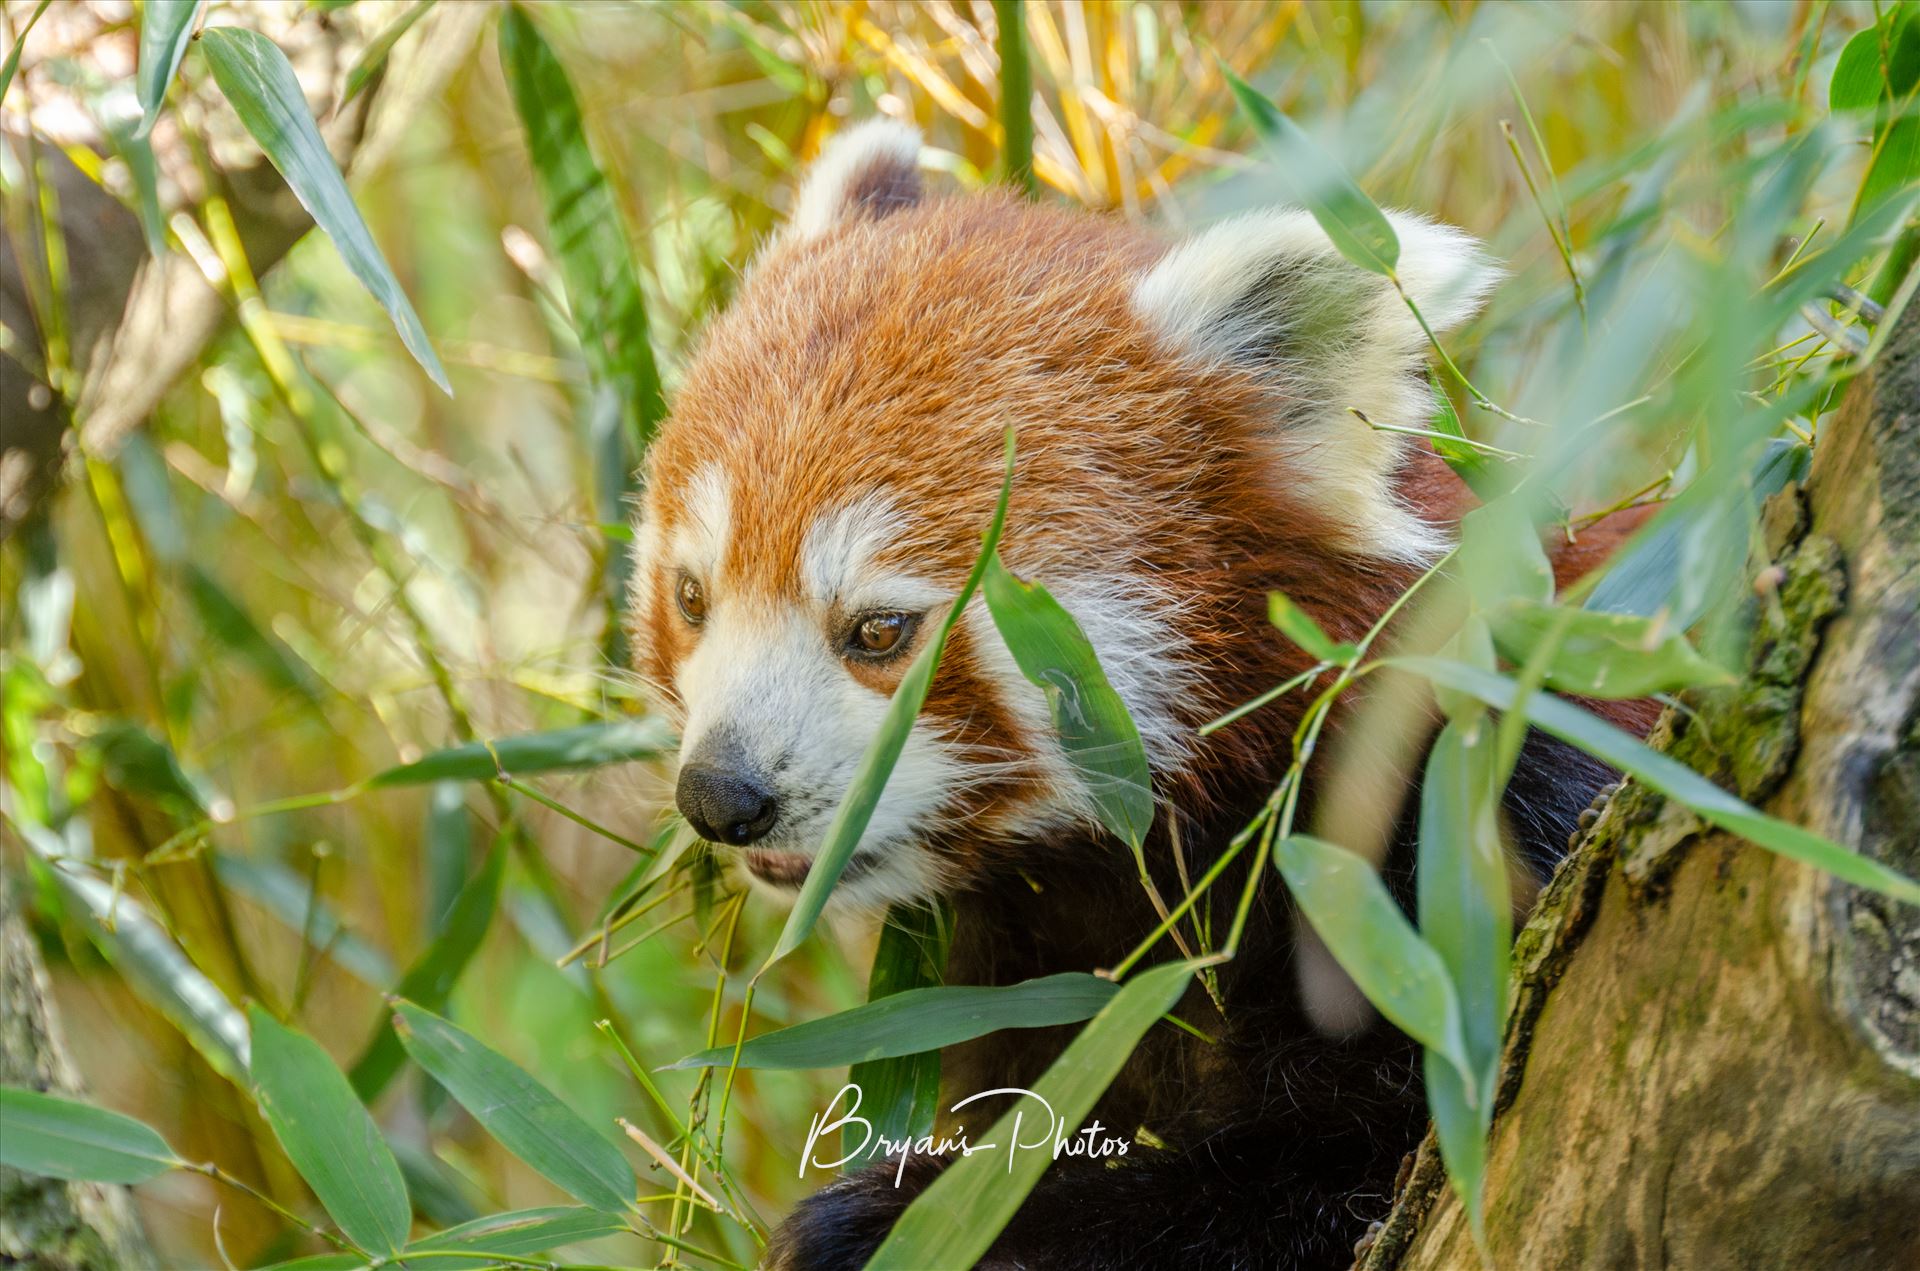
{"x": 1268, "y": 293}
{"x": 864, "y": 173}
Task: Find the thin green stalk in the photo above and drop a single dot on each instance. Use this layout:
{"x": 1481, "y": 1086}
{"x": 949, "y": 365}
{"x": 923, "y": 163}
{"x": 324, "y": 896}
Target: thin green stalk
{"x": 1016, "y": 94}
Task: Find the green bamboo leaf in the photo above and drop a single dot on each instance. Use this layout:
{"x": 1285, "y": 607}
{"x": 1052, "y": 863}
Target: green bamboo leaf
{"x": 518, "y": 1233}
{"x": 12, "y": 63}
{"x": 1461, "y": 1122}
{"x": 60, "y": 1138}
{"x": 287, "y": 896}
{"x": 1672, "y": 778}
{"x": 870, "y": 778}
{"x": 522, "y": 1114}
{"x": 323, "y": 1262}
{"x": 328, "y": 1135}
{"x": 228, "y": 622}
{"x": 1099, "y": 737}
{"x": 1357, "y": 227}
{"x": 1472, "y": 464}
{"x": 1352, "y": 911}
{"x": 136, "y": 762}
{"x": 430, "y": 980}
{"x": 157, "y": 970}
{"x": 914, "y": 1020}
{"x": 902, "y": 1092}
{"x": 374, "y": 56}
{"x": 955, "y": 1220}
{"x": 165, "y": 27}
{"x": 260, "y": 85}
{"x": 1298, "y": 626}
{"x": 1608, "y": 655}
{"x": 589, "y": 238}
{"x": 1465, "y": 910}
{"x": 561, "y": 750}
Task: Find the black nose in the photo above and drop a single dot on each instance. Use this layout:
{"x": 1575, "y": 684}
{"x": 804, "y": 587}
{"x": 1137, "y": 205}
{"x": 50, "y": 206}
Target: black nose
{"x": 724, "y": 807}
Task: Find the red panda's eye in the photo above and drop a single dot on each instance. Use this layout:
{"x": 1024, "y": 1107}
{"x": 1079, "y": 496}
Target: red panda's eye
{"x": 693, "y": 600}
{"x": 878, "y": 634}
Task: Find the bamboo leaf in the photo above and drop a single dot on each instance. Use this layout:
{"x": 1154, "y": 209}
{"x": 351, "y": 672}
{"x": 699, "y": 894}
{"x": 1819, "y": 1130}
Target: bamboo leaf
{"x": 561, "y": 750}
{"x": 1099, "y": 737}
{"x": 375, "y": 55}
{"x": 260, "y": 85}
{"x": 328, "y": 1135}
{"x": 136, "y": 762}
{"x": 430, "y": 980}
{"x": 902, "y": 1092}
{"x": 1352, "y": 911}
{"x": 165, "y": 27}
{"x": 522, "y": 1114}
{"x": 287, "y": 896}
{"x": 1672, "y": 778}
{"x": 915, "y": 1020}
{"x": 1607, "y": 655}
{"x": 518, "y": 1233}
{"x": 1298, "y": 626}
{"x": 589, "y": 238}
{"x": 1357, "y": 227}
{"x": 1466, "y": 913}
{"x": 955, "y": 1220}
{"x": 61, "y": 1138}
{"x": 870, "y": 778}
{"x": 1460, "y": 1122}
{"x": 156, "y": 968}
{"x": 12, "y": 63}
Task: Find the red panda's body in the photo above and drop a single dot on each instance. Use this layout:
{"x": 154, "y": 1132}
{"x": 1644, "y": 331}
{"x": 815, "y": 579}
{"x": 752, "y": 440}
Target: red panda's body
{"x": 1184, "y": 449}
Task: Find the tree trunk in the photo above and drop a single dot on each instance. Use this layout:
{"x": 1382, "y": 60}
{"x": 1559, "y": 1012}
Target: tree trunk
{"x": 1714, "y": 1056}
{"x": 46, "y": 1223}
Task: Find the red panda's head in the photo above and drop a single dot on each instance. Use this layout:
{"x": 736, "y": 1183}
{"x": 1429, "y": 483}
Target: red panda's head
{"x": 834, "y": 453}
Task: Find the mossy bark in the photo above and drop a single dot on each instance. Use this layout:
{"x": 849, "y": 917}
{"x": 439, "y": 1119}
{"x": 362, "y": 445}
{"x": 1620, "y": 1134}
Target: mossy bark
{"x": 1714, "y": 1056}
{"x": 46, "y": 1223}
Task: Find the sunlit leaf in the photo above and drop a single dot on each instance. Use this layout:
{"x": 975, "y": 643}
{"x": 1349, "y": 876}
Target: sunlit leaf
{"x": 561, "y": 750}
{"x": 165, "y": 27}
{"x": 1099, "y": 737}
{"x": 876, "y": 765}
{"x": 1357, "y": 227}
{"x": 522, "y": 1114}
{"x": 955, "y": 1220}
{"x": 1672, "y": 778}
{"x": 61, "y": 1138}
{"x": 328, "y": 1135}
{"x": 260, "y": 85}
{"x": 1353, "y": 913}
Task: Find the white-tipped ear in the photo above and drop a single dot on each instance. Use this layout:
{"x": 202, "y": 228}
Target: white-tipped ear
{"x": 866, "y": 172}
{"x": 1268, "y": 293}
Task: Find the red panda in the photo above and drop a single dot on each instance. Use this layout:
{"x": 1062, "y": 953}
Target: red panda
{"x": 1184, "y": 447}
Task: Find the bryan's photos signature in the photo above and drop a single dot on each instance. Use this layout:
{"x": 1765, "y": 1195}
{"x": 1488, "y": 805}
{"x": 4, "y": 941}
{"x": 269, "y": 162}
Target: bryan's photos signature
{"x": 1034, "y": 1127}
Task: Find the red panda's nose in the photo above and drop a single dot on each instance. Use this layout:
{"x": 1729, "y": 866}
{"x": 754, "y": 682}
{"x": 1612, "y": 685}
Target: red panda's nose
{"x": 725, "y": 807}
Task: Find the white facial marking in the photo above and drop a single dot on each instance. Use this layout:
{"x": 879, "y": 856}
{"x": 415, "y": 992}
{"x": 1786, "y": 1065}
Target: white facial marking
{"x": 769, "y": 675}
{"x": 700, "y": 540}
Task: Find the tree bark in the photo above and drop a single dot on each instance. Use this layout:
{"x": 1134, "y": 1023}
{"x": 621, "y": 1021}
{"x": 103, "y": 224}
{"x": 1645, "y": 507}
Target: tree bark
{"x": 1714, "y": 1054}
{"x": 44, "y": 1222}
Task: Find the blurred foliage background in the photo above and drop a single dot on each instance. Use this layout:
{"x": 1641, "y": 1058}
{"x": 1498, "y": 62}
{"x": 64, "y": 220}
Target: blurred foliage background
{"x": 308, "y": 565}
